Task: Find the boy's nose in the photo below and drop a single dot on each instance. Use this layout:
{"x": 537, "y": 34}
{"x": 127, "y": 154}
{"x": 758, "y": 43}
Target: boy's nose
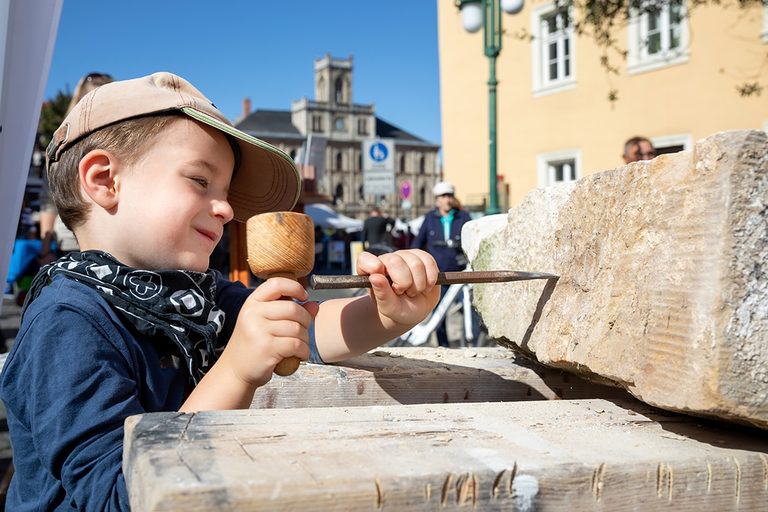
{"x": 223, "y": 210}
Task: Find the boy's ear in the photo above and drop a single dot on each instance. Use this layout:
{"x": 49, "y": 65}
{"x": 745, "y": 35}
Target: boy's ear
{"x": 98, "y": 171}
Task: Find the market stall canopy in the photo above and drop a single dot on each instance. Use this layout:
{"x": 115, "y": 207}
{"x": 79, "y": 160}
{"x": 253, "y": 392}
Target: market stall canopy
{"x": 326, "y": 217}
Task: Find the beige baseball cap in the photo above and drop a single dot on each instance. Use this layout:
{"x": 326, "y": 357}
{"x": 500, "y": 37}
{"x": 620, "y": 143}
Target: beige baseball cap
{"x": 266, "y": 179}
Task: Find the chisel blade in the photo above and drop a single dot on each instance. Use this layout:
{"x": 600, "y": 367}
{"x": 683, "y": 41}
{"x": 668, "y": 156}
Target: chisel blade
{"x": 321, "y": 282}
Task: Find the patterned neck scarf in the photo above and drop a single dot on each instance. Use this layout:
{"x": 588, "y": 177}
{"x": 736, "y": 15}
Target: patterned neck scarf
{"x": 174, "y": 305}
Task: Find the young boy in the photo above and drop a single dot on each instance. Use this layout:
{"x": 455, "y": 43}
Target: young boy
{"x": 142, "y": 172}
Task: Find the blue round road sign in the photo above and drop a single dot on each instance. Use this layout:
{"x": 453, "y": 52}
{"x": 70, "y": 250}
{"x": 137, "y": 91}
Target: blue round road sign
{"x": 378, "y": 152}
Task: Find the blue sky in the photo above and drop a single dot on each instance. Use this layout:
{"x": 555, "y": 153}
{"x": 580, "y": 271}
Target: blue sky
{"x": 264, "y": 50}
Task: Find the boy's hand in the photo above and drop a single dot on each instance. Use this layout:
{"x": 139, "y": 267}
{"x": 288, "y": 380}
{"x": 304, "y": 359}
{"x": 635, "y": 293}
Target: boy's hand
{"x": 269, "y": 330}
{"x": 412, "y": 294}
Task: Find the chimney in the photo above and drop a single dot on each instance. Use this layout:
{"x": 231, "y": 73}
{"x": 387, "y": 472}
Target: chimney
{"x": 246, "y": 107}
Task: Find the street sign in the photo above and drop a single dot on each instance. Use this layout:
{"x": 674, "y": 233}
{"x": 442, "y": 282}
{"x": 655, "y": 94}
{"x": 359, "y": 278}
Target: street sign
{"x": 378, "y": 166}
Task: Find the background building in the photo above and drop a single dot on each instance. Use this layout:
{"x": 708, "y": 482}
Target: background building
{"x": 325, "y": 136}
{"x": 677, "y": 84}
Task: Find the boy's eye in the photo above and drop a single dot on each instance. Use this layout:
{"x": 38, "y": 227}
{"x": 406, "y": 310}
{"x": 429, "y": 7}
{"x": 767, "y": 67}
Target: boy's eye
{"x": 201, "y": 181}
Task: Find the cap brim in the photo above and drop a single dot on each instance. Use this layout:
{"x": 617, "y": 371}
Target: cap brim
{"x": 267, "y": 179}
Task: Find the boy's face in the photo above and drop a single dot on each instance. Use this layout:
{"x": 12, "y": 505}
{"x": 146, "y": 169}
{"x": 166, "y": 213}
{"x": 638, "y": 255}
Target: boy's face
{"x": 173, "y": 200}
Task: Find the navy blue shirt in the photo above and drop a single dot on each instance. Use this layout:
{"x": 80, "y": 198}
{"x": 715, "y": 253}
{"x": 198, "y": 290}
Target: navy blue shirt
{"x": 75, "y": 373}
{"x": 431, "y": 238}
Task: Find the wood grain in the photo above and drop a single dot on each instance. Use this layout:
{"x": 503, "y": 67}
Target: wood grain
{"x": 281, "y": 244}
{"x": 416, "y": 375}
{"x": 541, "y": 455}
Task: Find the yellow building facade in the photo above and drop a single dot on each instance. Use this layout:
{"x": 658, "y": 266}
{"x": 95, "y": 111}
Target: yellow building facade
{"x": 679, "y": 83}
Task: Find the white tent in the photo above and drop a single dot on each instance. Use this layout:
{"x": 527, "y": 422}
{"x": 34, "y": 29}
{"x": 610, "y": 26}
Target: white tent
{"x": 27, "y": 37}
{"x": 326, "y": 217}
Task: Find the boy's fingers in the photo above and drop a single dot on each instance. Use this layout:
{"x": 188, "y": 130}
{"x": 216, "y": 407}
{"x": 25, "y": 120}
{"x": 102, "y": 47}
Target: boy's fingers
{"x": 276, "y": 288}
{"x": 368, "y": 264}
{"x": 381, "y": 289}
{"x": 291, "y": 347}
{"x": 278, "y": 310}
{"x": 414, "y": 272}
{"x": 430, "y": 265}
{"x": 289, "y": 329}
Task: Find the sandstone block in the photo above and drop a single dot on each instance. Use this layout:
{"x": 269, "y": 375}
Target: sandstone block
{"x": 663, "y": 285}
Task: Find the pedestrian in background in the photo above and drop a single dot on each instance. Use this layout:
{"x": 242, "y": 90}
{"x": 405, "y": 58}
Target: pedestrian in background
{"x": 49, "y": 217}
{"x": 440, "y": 236}
{"x": 377, "y": 232}
{"x": 638, "y": 148}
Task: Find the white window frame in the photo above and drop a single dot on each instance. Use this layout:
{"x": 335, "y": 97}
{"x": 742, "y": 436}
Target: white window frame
{"x": 545, "y": 170}
{"x": 680, "y": 139}
{"x": 638, "y": 59}
{"x": 765, "y": 24}
{"x": 541, "y": 85}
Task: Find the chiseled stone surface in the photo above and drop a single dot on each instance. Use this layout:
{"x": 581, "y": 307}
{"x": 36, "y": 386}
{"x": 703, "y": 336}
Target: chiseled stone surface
{"x": 663, "y": 283}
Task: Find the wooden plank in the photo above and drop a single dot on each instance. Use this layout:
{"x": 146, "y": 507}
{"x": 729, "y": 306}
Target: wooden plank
{"x": 662, "y": 269}
{"x": 543, "y": 455}
{"x": 416, "y": 375}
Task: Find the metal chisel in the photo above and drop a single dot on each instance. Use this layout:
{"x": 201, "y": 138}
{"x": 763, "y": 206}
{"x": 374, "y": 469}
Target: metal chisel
{"x": 321, "y": 282}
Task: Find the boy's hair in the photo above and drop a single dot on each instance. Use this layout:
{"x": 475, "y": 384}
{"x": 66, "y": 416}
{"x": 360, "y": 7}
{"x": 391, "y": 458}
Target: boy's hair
{"x": 127, "y": 140}
{"x": 267, "y": 179}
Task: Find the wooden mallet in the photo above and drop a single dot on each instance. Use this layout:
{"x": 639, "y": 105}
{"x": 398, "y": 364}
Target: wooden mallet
{"x": 281, "y": 244}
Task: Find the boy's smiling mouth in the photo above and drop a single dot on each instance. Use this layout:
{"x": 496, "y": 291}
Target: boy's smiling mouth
{"x": 208, "y": 234}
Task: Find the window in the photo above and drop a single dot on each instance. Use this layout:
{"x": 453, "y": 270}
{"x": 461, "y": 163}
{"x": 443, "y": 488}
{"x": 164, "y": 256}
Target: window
{"x": 362, "y": 126}
{"x": 765, "y": 23}
{"x": 559, "y": 167}
{"x": 553, "y": 51}
{"x": 402, "y": 163}
{"x": 339, "y": 160}
{"x": 339, "y": 124}
{"x": 317, "y": 123}
{"x": 422, "y": 165}
{"x": 422, "y": 196}
{"x": 321, "y": 89}
{"x": 339, "y": 88}
{"x": 658, "y": 36}
{"x": 338, "y": 194}
{"x": 672, "y": 143}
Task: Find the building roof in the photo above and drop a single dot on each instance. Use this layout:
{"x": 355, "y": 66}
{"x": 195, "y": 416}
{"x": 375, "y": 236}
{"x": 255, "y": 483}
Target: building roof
{"x": 388, "y": 130}
{"x": 266, "y": 124}
{"x": 269, "y": 123}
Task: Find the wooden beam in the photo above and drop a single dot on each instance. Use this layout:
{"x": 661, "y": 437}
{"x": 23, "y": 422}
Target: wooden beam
{"x": 394, "y": 376}
{"x": 543, "y": 455}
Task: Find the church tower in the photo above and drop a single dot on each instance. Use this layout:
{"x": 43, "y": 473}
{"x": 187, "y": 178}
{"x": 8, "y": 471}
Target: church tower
{"x": 333, "y": 81}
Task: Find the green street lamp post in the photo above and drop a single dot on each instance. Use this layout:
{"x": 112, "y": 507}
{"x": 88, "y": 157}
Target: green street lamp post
{"x": 487, "y": 14}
